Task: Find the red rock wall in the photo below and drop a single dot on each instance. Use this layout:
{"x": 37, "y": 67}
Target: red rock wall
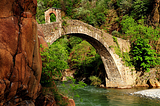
{"x": 20, "y": 63}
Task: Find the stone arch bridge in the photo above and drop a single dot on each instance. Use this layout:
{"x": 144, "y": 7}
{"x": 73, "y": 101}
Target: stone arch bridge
{"x": 117, "y": 75}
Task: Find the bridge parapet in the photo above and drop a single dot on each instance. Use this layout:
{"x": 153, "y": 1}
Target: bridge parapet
{"x": 52, "y": 31}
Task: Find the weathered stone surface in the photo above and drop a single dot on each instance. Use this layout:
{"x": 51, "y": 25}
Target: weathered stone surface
{"x": 6, "y": 64}
{"x": 55, "y": 11}
{"x": 41, "y": 37}
{"x": 157, "y": 83}
{"x": 9, "y": 34}
{"x": 154, "y": 17}
{"x": 67, "y": 73}
{"x": 46, "y": 101}
{"x": 20, "y": 62}
{"x": 151, "y": 83}
{"x": 6, "y": 8}
{"x": 49, "y": 99}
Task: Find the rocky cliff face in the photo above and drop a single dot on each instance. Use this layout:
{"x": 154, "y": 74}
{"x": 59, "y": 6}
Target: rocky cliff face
{"x": 20, "y": 60}
{"x": 154, "y": 19}
{"x": 20, "y": 63}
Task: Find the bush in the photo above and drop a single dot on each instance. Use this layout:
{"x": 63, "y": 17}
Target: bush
{"x": 125, "y": 6}
{"x": 82, "y": 55}
{"x": 54, "y": 60}
{"x": 115, "y": 33}
{"x": 141, "y": 8}
{"x": 95, "y": 81}
{"x": 70, "y": 89}
{"x": 143, "y": 55}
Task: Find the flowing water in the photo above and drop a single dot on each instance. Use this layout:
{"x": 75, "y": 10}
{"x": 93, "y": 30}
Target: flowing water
{"x": 94, "y": 96}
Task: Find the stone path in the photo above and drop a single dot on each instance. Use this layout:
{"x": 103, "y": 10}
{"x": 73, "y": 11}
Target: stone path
{"x": 153, "y": 93}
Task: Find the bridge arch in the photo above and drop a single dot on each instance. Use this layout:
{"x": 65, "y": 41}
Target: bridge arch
{"x": 100, "y": 40}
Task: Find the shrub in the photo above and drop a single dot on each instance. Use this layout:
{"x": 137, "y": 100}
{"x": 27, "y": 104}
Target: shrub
{"x": 115, "y": 33}
{"x": 141, "y": 8}
{"x": 54, "y": 60}
{"x": 126, "y": 58}
{"x": 143, "y": 55}
{"x": 95, "y": 81}
{"x": 70, "y": 89}
{"x": 125, "y": 6}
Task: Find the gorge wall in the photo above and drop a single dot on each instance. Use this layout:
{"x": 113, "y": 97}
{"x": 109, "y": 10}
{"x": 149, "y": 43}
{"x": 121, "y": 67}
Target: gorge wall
{"x": 20, "y": 62}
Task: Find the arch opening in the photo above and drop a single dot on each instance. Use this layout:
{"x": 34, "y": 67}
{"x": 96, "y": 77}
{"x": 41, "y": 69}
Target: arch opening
{"x": 109, "y": 64}
{"x": 112, "y": 74}
{"x": 101, "y": 41}
{"x": 86, "y": 65}
{"x": 52, "y": 17}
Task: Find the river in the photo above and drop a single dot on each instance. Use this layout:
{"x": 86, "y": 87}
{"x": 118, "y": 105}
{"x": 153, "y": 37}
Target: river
{"x": 95, "y": 96}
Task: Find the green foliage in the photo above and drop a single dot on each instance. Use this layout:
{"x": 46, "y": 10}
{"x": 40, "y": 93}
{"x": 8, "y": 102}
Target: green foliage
{"x": 73, "y": 86}
{"x": 118, "y": 51}
{"x": 69, "y": 7}
{"x": 117, "y": 48}
{"x": 133, "y": 30}
{"x": 83, "y": 54}
{"x": 64, "y": 23}
{"x": 73, "y": 41}
{"x": 128, "y": 23}
{"x": 127, "y": 59}
{"x": 52, "y": 18}
{"x": 50, "y": 3}
{"x": 143, "y": 55}
{"x": 40, "y": 12}
{"x": 125, "y": 5}
{"x": 54, "y": 60}
{"x": 93, "y": 13}
{"x": 95, "y": 81}
{"x": 141, "y": 8}
{"x": 140, "y": 36}
{"x": 115, "y": 33}
{"x": 115, "y": 40}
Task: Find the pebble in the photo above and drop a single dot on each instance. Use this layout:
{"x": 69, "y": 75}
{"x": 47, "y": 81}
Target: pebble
{"x": 152, "y": 93}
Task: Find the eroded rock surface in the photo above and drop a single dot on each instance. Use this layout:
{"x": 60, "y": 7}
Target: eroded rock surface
{"x": 20, "y": 62}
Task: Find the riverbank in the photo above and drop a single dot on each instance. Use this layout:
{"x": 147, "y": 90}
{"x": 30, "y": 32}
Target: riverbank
{"x": 151, "y": 93}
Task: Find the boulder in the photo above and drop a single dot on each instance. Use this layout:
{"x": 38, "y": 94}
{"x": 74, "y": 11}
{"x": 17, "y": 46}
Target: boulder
{"x": 157, "y": 83}
{"x": 151, "y": 82}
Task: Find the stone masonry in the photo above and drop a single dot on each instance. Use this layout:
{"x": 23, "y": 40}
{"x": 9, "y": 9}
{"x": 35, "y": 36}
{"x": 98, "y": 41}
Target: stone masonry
{"x": 117, "y": 74}
{"x": 55, "y": 11}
